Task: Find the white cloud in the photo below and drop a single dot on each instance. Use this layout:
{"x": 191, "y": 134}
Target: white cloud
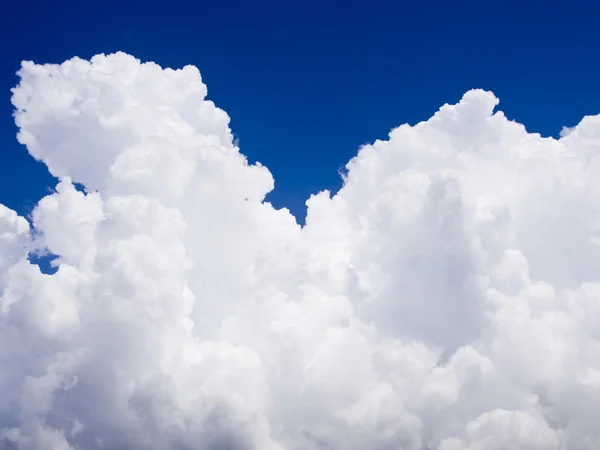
{"x": 565, "y": 131}
{"x": 446, "y": 298}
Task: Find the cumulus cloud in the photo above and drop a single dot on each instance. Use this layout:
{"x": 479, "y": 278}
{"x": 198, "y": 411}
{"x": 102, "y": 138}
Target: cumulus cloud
{"x": 446, "y": 298}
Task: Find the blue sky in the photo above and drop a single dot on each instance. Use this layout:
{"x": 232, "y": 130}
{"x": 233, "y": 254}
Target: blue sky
{"x": 306, "y": 85}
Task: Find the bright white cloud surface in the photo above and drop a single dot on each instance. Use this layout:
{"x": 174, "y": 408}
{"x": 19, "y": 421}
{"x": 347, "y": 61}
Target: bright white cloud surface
{"x": 446, "y": 298}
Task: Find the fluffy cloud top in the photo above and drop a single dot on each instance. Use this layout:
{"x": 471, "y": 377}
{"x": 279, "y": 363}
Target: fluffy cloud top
{"x": 446, "y": 298}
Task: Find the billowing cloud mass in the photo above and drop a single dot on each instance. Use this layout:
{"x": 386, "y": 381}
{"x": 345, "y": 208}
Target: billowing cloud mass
{"x": 446, "y": 298}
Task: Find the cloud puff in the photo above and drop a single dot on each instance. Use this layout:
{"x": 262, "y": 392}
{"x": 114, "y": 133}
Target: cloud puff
{"x": 446, "y": 298}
